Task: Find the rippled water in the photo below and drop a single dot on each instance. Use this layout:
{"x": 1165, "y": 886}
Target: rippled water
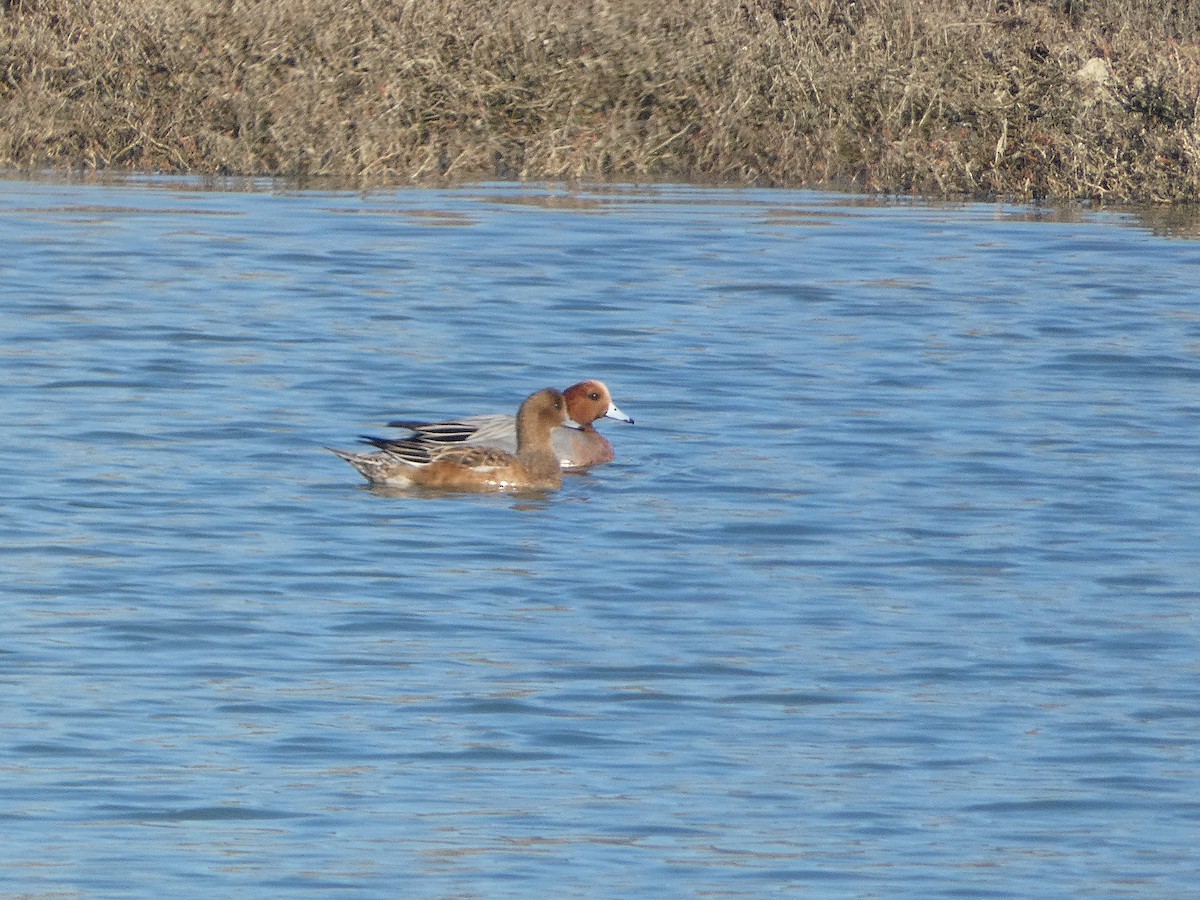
{"x": 891, "y": 591}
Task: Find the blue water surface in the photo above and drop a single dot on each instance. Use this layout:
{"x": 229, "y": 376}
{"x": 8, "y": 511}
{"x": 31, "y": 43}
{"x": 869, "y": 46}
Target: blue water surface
{"x": 891, "y": 592}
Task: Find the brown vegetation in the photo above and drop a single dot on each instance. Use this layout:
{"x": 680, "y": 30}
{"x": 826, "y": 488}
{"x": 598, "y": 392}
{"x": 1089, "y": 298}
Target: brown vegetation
{"x": 1019, "y": 98}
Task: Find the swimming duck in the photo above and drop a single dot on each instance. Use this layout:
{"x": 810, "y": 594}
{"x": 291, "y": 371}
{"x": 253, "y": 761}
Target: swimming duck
{"x": 459, "y": 466}
{"x": 577, "y": 448}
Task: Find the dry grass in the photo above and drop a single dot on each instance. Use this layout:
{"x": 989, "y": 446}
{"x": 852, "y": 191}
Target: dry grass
{"x": 1018, "y": 98}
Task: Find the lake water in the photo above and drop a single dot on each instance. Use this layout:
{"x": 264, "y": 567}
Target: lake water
{"x": 892, "y": 590}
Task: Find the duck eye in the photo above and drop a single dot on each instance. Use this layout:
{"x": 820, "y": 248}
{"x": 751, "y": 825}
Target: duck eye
{"x": 594, "y": 395}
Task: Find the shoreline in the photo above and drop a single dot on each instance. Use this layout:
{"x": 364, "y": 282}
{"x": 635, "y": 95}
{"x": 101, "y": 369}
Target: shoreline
{"x": 1022, "y": 100}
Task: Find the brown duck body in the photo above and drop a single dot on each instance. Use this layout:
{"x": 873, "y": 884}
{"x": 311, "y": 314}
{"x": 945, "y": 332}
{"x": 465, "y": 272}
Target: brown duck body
{"x": 535, "y": 465}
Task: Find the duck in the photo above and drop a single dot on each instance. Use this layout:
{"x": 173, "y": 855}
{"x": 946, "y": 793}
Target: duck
{"x": 578, "y": 448}
{"x": 534, "y": 466}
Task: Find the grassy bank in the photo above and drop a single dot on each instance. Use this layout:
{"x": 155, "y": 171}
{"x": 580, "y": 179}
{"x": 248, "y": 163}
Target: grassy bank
{"x": 1019, "y": 98}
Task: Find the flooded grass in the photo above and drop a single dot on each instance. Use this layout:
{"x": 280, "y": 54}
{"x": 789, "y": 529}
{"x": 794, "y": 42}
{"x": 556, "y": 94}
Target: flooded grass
{"x": 1046, "y": 99}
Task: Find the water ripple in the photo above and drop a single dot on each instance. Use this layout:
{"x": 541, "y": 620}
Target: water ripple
{"x": 890, "y": 591}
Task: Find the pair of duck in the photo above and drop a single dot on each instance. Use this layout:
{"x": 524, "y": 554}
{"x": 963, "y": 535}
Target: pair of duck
{"x": 551, "y": 432}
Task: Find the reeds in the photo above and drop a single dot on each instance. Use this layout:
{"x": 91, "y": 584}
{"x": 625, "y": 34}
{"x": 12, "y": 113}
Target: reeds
{"x": 1013, "y": 98}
